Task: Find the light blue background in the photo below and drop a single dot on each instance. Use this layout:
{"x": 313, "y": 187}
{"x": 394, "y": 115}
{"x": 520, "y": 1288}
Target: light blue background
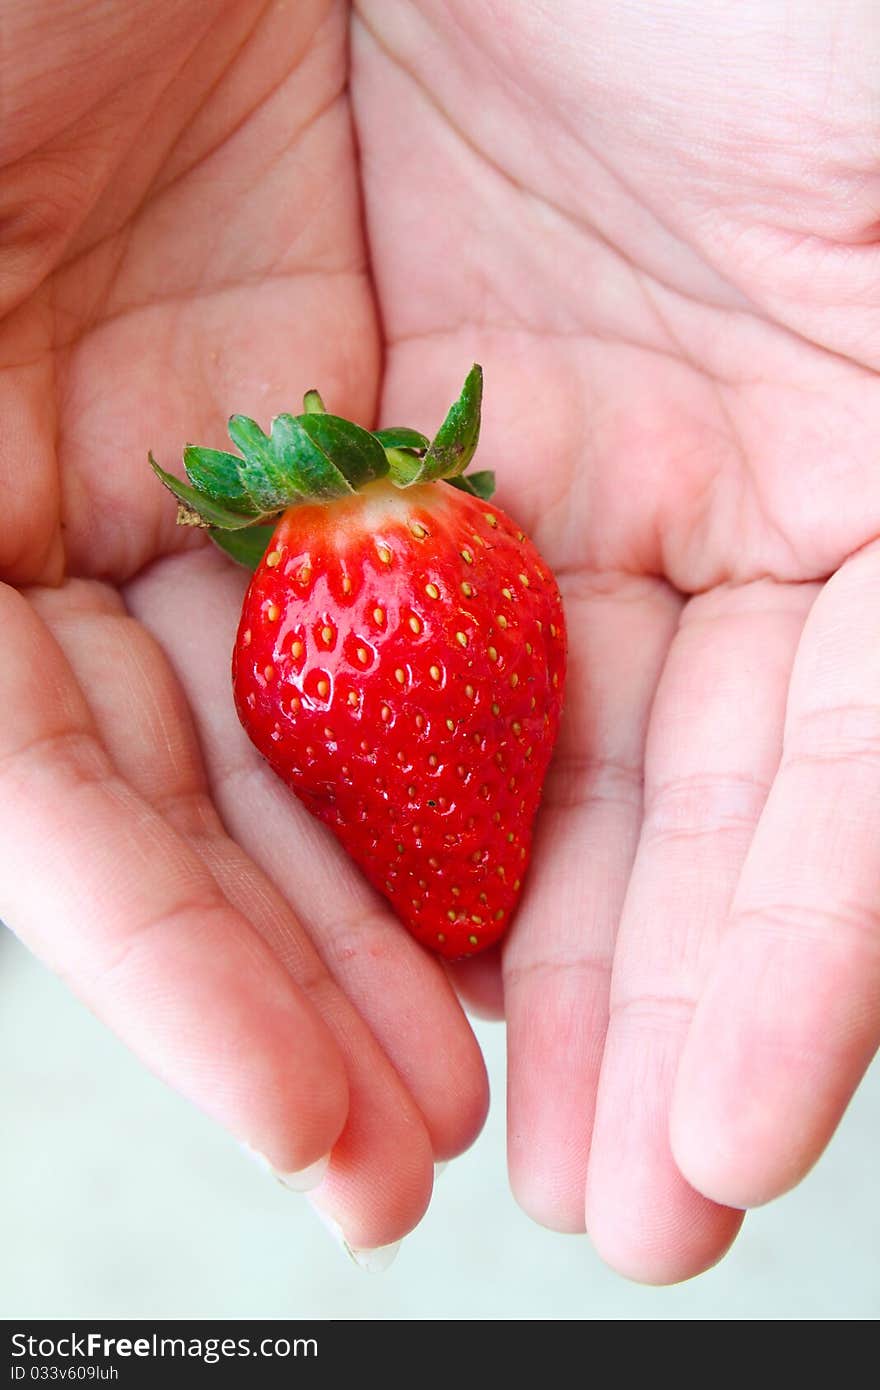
{"x": 118, "y": 1200}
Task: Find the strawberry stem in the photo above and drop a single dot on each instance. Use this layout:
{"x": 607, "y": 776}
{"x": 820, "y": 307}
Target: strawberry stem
{"x": 312, "y": 404}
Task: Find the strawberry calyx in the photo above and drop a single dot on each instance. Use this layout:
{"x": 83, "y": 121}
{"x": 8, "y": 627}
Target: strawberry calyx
{"x": 316, "y": 457}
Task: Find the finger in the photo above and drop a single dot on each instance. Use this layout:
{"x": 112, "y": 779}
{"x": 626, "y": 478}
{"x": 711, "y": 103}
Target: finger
{"x": 713, "y": 745}
{"x": 398, "y": 989}
{"x": 790, "y": 1017}
{"x": 380, "y": 1175}
{"x": 31, "y": 545}
{"x": 111, "y": 898}
{"x": 558, "y": 957}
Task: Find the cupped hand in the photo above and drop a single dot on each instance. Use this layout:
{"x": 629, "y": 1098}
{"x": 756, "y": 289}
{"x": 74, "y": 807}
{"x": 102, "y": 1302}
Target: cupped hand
{"x": 656, "y": 227}
{"x": 180, "y": 237}
{"x": 656, "y": 231}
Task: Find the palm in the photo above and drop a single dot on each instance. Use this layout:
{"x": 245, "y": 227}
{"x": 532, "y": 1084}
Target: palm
{"x": 682, "y": 405}
{"x": 220, "y": 261}
{"x": 693, "y": 414}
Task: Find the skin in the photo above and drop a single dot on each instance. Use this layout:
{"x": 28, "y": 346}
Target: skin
{"x": 657, "y": 231}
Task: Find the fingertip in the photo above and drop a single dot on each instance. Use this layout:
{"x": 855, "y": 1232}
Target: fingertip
{"x": 458, "y": 1117}
{"x": 663, "y": 1258}
{"x": 649, "y": 1225}
{"x": 547, "y": 1168}
{"x": 370, "y": 1211}
{"x": 330, "y": 1097}
{"x": 764, "y": 1080}
{"x": 326, "y": 1113}
{"x": 547, "y": 1200}
{"x": 645, "y": 1219}
{"x": 740, "y": 1165}
{"x": 447, "y": 1077}
{"x": 739, "y": 1129}
{"x": 296, "y": 1104}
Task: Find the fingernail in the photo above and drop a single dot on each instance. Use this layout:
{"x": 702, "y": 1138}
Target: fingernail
{"x": 302, "y": 1181}
{"x": 307, "y": 1178}
{"x": 374, "y": 1261}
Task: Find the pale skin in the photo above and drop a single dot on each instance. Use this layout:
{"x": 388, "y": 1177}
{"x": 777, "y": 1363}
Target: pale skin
{"x": 656, "y": 227}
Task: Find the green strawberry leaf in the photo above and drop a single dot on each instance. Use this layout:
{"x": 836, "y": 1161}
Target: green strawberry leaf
{"x": 453, "y": 446}
{"x": 247, "y": 436}
{"x": 400, "y": 437}
{"x": 334, "y": 456}
{"x": 306, "y": 470}
{"x": 263, "y": 477}
{"x": 405, "y": 466}
{"x": 217, "y": 473}
{"x": 477, "y": 484}
{"x": 245, "y": 547}
{"x": 197, "y": 508}
{"x": 310, "y": 457}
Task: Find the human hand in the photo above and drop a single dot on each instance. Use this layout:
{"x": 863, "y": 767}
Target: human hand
{"x": 656, "y": 228}
{"x": 180, "y": 236}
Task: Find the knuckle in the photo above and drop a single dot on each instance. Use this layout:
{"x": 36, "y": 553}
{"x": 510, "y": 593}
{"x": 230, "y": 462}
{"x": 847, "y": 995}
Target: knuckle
{"x": 575, "y": 781}
{"x": 691, "y": 807}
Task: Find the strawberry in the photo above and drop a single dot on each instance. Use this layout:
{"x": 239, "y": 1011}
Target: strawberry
{"x": 400, "y": 658}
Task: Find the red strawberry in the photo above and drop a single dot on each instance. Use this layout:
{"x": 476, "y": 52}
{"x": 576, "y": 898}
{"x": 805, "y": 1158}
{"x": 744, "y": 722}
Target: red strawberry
{"x": 400, "y": 663}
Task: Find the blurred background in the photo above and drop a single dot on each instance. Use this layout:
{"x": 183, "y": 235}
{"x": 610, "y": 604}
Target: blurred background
{"x": 117, "y": 1200}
